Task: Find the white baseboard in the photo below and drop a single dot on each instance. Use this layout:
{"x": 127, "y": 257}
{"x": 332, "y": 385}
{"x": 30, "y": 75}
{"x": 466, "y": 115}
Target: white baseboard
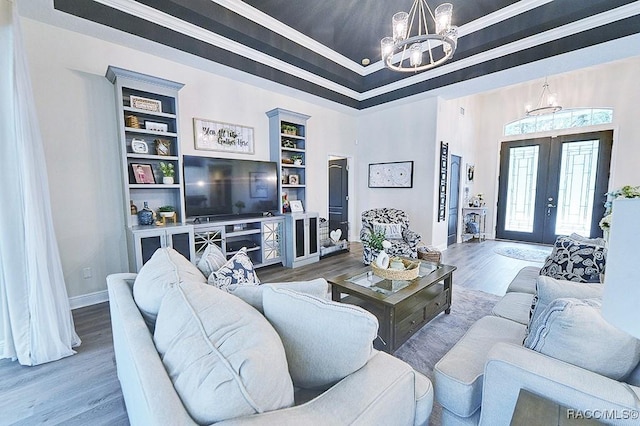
{"x": 88, "y": 299}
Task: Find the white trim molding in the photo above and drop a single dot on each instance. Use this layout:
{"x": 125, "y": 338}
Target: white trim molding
{"x": 88, "y": 299}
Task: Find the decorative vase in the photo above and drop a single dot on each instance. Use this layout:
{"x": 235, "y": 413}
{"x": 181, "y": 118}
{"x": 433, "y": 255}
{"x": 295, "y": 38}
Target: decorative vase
{"x": 134, "y": 208}
{"x": 297, "y": 162}
{"x": 382, "y": 261}
{"x": 167, "y": 180}
{"x": 145, "y": 216}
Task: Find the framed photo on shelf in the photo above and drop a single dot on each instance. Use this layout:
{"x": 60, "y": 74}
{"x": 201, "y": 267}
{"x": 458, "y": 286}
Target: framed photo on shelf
{"x": 146, "y": 104}
{"x": 294, "y": 179}
{"x": 398, "y": 174}
{"x": 218, "y": 136}
{"x": 143, "y": 173}
{"x": 296, "y": 206}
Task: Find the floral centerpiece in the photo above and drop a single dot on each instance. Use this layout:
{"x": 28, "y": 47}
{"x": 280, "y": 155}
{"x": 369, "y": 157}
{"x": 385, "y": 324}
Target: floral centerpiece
{"x": 626, "y": 191}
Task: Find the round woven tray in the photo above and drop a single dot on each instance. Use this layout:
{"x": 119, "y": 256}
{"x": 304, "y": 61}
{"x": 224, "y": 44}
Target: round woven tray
{"x": 411, "y": 271}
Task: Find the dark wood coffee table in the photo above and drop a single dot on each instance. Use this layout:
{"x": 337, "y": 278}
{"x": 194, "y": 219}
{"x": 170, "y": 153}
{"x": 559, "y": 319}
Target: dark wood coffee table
{"x": 402, "y": 307}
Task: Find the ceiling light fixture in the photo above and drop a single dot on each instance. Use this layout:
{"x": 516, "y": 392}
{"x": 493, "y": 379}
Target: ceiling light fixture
{"x": 412, "y": 42}
{"x": 547, "y": 104}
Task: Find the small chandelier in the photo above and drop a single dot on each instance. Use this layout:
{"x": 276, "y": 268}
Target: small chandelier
{"x": 547, "y": 104}
{"x": 412, "y": 48}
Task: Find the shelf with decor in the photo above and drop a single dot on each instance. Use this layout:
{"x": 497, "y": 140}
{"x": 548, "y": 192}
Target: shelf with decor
{"x": 151, "y": 164}
{"x": 288, "y": 147}
{"x": 475, "y": 223}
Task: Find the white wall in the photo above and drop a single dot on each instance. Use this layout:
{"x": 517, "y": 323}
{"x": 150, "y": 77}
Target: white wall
{"x": 76, "y": 109}
{"x": 400, "y": 133}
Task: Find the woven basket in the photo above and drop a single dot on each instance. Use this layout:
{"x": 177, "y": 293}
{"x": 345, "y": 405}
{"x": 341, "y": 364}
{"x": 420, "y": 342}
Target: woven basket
{"x": 429, "y": 255}
{"x": 411, "y": 271}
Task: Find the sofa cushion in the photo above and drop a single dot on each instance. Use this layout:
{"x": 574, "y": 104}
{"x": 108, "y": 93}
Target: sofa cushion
{"x": 237, "y": 270}
{"x": 324, "y": 341}
{"x": 575, "y": 260}
{"x": 212, "y": 259}
{"x": 525, "y": 280}
{"x": 514, "y": 306}
{"x": 458, "y": 375}
{"x": 252, "y": 294}
{"x": 165, "y": 269}
{"x": 223, "y": 357}
{"x": 574, "y": 331}
{"x": 549, "y": 289}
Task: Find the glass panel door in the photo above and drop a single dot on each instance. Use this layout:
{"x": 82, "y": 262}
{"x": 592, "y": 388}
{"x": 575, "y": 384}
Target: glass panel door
{"x": 521, "y": 192}
{"x": 578, "y": 166}
{"x": 553, "y": 186}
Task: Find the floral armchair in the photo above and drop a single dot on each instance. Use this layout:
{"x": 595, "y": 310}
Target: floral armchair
{"x": 403, "y": 243}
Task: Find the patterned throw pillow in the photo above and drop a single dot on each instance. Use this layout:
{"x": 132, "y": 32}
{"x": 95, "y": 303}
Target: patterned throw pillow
{"x": 212, "y": 259}
{"x": 392, "y": 231}
{"x": 237, "y": 270}
{"x": 575, "y": 260}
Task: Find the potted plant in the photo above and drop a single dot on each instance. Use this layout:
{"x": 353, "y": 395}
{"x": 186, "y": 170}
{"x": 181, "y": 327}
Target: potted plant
{"x": 240, "y": 205}
{"x": 168, "y": 172}
{"x": 297, "y": 159}
{"x": 289, "y": 129}
{"x": 166, "y": 211}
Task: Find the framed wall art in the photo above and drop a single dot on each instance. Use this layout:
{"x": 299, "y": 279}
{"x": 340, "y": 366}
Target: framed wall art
{"x": 218, "y": 136}
{"x": 143, "y": 173}
{"x": 391, "y": 175}
{"x": 444, "y": 166}
{"x": 471, "y": 170}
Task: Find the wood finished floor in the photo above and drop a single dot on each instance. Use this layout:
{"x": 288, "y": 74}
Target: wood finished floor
{"x": 84, "y": 389}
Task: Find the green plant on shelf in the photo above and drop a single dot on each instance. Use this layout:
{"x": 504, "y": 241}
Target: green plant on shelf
{"x": 167, "y": 169}
{"x": 166, "y": 209}
{"x": 289, "y": 129}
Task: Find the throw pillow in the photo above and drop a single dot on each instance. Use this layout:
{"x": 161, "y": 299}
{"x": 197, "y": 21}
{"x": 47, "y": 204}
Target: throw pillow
{"x": 550, "y": 289}
{"x": 595, "y": 241}
{"x": 253, "y": 294}
{"x": 575, "y": 260}
{"x": 223, "y": 358}
{"x": 392, "y": 231}
{"x": 162, "y": 271}
{"x": 212, "y": 259}
{"x": 324, "y": 341}
{"x": 237, "y": 270}
{"x": 574, "y": 331}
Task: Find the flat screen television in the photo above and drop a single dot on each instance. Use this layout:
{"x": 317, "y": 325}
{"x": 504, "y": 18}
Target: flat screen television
{"x": 220, "y": 188}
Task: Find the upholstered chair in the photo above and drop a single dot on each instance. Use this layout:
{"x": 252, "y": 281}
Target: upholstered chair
{"x": 395, "y": 224}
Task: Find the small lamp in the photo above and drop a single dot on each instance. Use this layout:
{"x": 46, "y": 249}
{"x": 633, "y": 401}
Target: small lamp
{"x": 621, "y": 299}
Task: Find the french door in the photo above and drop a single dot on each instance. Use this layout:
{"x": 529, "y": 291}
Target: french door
{"x": 553, "y": 186}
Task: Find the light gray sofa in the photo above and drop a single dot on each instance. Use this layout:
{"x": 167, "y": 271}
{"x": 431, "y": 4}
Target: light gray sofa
{"x": 478, "y": 381}
{"x": 385, "y": 391}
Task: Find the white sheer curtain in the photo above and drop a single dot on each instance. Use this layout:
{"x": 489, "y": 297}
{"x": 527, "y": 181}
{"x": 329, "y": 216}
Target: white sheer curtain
{"x": 36, "y": 325}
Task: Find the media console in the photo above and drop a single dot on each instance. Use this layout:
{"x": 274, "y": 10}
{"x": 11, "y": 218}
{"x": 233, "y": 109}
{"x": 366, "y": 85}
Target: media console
{"x": 262, "y": 236}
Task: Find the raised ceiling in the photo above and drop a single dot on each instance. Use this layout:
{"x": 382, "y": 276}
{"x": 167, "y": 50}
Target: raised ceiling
{"x": 317, "y": 45}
